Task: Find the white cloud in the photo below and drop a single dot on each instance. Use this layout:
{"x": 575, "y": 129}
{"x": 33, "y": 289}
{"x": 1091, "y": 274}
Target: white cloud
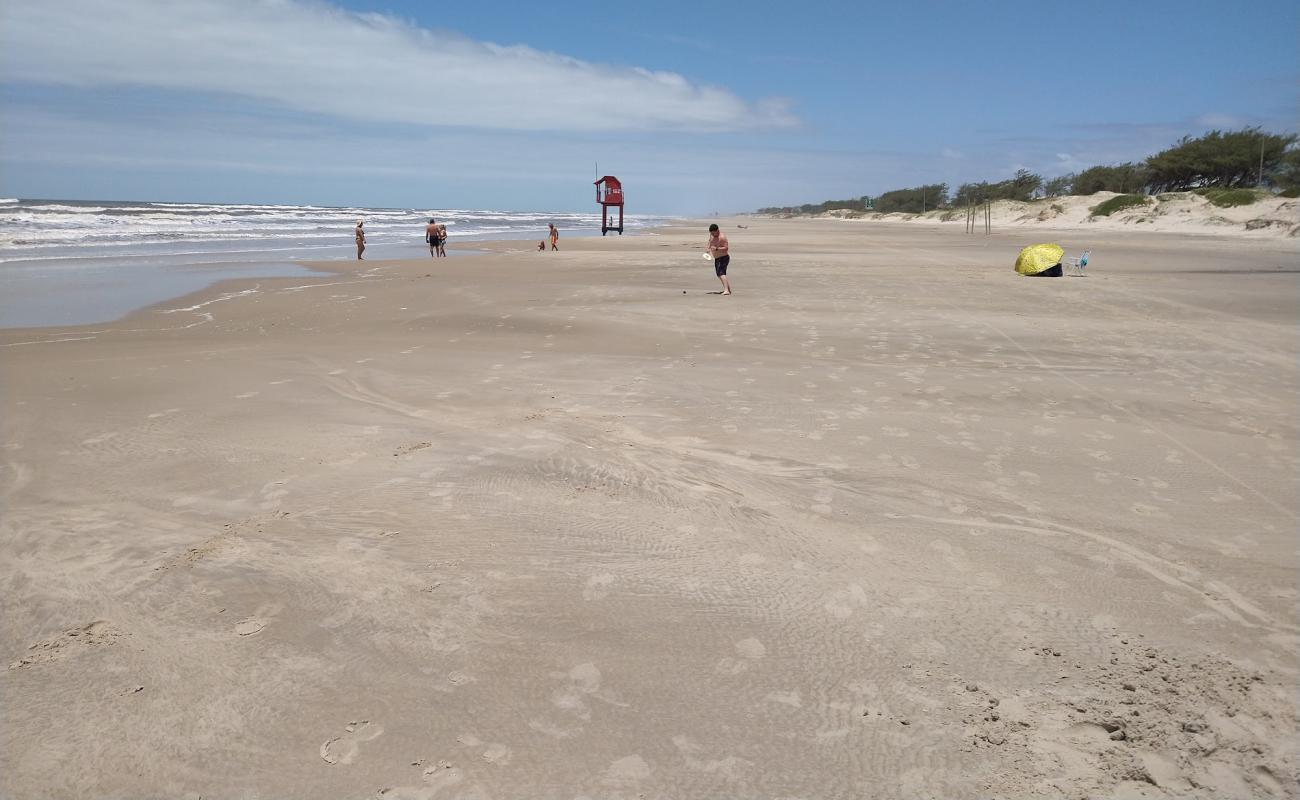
{"x": 1217, "y": 120}
{"x": 318, "y": 58}
{"x": 948, "y": 152}
{"x": 67, "y": 153}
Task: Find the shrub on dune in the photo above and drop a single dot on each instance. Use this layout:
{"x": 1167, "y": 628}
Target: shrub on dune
{"x": 1119, "y": 203}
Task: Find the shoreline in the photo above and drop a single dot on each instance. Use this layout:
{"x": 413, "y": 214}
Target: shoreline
{"x": 69, "y": 262}
{"x": 1077, "y": 232}
{"x": 231, "y": 288}
{"x": 338, "y": 266}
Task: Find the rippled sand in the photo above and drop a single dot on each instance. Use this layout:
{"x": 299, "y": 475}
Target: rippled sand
{"x": 891, "y": 521}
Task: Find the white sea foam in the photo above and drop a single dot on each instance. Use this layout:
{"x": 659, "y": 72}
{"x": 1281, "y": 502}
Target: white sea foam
{"x": 29, "y": 229}
{"x": 139, "y": 253}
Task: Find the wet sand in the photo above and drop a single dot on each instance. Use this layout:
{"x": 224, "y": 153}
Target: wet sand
{"x": 891, "y": 521}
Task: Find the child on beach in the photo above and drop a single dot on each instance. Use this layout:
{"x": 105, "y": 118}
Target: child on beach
{"x": 720, "y": 249}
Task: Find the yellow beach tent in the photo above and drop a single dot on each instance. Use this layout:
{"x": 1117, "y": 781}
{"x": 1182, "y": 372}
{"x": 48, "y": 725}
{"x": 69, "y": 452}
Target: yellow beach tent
{"x": 1037, "y": 258}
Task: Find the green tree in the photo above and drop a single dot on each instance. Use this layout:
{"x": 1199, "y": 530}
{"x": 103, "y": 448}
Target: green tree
{"x": 1020, "y": 187}
{"x": 914, "y": 200}
{"x": 1058, "y": 186}
{"x": 1023, "y": 185}
{"x": 1227, "y": 160}
{"x": 1285, "y": 175}
{"x": 1126, "y": 178}
{"x": 969, "y": 193}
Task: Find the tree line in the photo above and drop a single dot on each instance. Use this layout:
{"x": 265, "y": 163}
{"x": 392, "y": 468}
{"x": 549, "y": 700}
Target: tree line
{"x": 1232, "y": 160}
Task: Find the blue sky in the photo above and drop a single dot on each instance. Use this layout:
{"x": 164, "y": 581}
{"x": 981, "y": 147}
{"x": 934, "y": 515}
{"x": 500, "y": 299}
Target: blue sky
{"x": 698, "y": 107}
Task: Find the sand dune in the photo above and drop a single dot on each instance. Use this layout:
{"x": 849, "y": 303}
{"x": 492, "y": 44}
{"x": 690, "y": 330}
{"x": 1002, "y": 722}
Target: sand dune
{"x": 891, "y": 521}
{"x": 1172, "y": 212}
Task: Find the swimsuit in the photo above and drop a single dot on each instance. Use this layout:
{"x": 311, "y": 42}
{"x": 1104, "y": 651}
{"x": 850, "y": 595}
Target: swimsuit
{"x": 720, "y": 265}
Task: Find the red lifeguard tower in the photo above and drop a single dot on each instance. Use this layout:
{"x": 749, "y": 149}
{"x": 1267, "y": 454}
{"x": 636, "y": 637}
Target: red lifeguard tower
{"x": 612, "y": 195}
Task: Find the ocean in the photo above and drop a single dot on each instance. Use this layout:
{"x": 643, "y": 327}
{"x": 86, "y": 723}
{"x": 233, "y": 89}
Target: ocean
{"x": 65, "y": 262}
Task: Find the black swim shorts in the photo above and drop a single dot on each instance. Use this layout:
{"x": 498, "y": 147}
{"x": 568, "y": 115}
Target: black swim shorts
{"x": 720, "y": 265}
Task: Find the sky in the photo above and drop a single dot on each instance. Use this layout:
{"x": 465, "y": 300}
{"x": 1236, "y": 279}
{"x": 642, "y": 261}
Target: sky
{"x": 697, "y": 107}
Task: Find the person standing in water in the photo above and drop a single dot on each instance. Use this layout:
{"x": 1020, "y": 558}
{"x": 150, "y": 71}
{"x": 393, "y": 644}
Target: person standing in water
{"x": 431, "y": 236}
{"x": 720, "y": 249}
{"x": 361, "y": 239}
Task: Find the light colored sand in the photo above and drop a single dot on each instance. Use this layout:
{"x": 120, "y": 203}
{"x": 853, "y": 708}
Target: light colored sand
{"x": 1172, "y": 212}
{"x": 890, "y": 522}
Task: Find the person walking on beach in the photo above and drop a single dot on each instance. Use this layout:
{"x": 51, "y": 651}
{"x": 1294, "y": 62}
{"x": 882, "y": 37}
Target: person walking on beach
{"x": 720, "y": 249}
{"x": 555, "y": 237}
{"x": 430, "y": 234}
{"x": 361, "y": 239}
{"x": 442, "y": 240}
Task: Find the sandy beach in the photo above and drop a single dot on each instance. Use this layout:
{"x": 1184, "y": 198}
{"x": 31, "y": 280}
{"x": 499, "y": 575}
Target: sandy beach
{"x": 889, "y": 522}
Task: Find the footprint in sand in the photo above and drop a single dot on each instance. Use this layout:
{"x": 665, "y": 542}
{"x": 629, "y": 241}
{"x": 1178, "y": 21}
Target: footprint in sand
{"x": 571, "y": 700}
{"x": 259, "y": 619}
{"x": 493, "y": 753}
{"x": 93, "y": 634}
{"x": 250, "y": 626}
{"x": 497, "y": 753}
{"x": 585, "y": 678}
{"x": 627, "y": 772}
{"x": 790, "y": 698}
{"x": 747, "y": 652}
{"x": 344, "y": 749}
{"x": 751, "y": 649}
{"x": 597, "y": 587}
{"x": 842, "y": 603}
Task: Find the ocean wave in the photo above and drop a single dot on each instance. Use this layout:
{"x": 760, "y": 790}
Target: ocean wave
{"x": 37, "y": 230}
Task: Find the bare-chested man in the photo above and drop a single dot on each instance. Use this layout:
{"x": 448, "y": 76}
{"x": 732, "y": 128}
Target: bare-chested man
{"x": 432, "y": 236}
{"x": 361, "y": 240}
{"x": 721, "y": 252}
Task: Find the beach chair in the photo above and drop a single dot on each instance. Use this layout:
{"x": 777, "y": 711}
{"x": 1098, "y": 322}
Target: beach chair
{"x": 1077, "y": 265}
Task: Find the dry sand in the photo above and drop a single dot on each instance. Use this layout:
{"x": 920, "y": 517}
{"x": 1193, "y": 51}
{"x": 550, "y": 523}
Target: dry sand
{"x": 1170, "y": 212}
{"x": 890, "y": 522}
